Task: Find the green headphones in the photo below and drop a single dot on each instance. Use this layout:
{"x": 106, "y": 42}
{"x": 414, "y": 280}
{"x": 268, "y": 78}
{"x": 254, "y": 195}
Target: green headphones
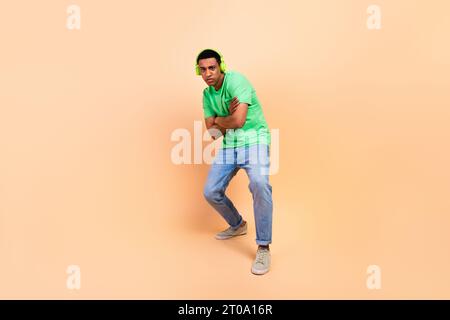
{"x": 223, "y": 66}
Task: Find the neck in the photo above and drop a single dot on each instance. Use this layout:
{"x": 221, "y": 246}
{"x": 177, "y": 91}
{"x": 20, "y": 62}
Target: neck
{"x": 220, "y": 82}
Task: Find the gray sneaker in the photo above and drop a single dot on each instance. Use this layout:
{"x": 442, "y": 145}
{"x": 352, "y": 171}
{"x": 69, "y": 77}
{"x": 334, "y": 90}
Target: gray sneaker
{"x": 230, "y": 232}
{"x": 261, "y": 265}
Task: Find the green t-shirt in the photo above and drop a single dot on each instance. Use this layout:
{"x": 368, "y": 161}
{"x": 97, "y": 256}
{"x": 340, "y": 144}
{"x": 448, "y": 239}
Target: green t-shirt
{"x": 216, "y": 103}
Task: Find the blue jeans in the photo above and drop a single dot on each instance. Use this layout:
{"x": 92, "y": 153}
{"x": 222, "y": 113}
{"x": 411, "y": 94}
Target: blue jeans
{"x": 255, "y": 160}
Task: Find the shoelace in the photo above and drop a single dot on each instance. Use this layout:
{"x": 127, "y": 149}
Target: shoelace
{"x": 231, "y": 230}
{"x": 261, "y": 256}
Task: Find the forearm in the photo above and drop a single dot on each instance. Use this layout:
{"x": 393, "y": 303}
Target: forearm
{"x": 214, "y": 130}
{"x": 228, "y": 122}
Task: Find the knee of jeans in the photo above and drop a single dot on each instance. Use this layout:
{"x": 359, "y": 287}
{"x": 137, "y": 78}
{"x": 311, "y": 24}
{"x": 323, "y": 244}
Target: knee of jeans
{"x": 211, "y": 193}
{"x": 259, "y": 184}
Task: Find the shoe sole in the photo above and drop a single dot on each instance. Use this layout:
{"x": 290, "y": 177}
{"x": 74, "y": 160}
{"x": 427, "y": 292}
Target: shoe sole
{"x": 260, "y": 272}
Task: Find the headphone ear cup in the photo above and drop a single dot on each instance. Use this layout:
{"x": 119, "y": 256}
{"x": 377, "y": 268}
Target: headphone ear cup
{"x": 223, "y": 66}
{"x": 197, "y": 70}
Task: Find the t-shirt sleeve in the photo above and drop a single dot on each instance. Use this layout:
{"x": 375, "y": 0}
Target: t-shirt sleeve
{"x": 241, "y": 88}
{"x": 207, "y": 108}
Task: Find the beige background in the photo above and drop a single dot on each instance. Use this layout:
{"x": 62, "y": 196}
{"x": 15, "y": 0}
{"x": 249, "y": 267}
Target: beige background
{"x": 86, "y": 176}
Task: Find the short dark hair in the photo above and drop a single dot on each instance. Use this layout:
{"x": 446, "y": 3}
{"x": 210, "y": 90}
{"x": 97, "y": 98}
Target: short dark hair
{"x": 208, "y": 53}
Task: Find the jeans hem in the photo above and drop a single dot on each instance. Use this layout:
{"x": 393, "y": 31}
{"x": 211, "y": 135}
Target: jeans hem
{"x": 241, "y": 221}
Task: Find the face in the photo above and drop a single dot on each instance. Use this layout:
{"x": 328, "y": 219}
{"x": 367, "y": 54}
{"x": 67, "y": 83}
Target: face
{"x": 210, "y": 72}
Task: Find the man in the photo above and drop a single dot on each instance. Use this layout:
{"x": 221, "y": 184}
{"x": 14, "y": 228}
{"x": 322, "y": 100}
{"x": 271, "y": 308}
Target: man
{"x": 231, "y": 108}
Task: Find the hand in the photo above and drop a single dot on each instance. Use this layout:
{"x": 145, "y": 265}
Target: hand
{"x": 233, "y": 105}
{"x": 216, "y": 131}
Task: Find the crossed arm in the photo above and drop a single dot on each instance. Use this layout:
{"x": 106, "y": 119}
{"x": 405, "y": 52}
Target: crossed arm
{"x": 236, "y": 119}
